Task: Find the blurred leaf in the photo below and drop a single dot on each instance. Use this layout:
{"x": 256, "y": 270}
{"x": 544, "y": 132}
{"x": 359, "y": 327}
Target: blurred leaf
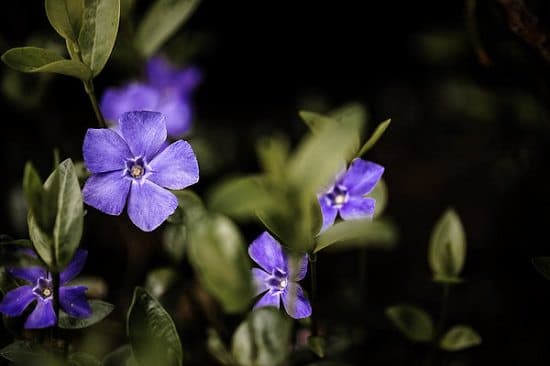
{"x": 414, "y": 323}
{"x": 81, "y": 172}
{"x": 191, "y": 206}
{"x": 354, "y": 113}
{"x": 119, "y": 357}
{"x": 152, "y": 332}
{"x": 83, "y": 359}
{"x": 380, "y": 194}
{"x": 22, "y": 352}
{"x": 162, "y": 20}
{"x": 175, "y": 241}
{"x": 160, "y": 280}
{"x": 12, "y": 255}
{"x": 459, "y": 337}
{"x": 542, "y": 265}
{"x": 273, "y": 155}
{"x": 34, "y": 59}
{"x": 97, "y": 287}
{"x": 98, "y": 32}
{"x": 447, "y": 250}
{"x": 100, "y": 310}
{"x": 216, "y": 243}
{"x": 317, "y": 345}
{"x": 218, "y": 350}
{"x": 315, "y": 121}
{"x": 65, "y": 16}
{"x": 263, "y": 339}
{"x": 33, "y": 191}
{"x": 378, "y": 132}
{"x": 362, "y": 232}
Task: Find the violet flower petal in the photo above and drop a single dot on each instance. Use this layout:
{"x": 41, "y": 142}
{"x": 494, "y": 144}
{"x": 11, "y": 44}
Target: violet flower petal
{"x": 104, "y": 150}
{"x": 144, "y": 132}
{"x": 269, "y": 299}
{"x": 362, "y": 176}
{"x": 260, "y": 278}
{"x": 29, "y": 274}
{"x": 358, "y": 208}
{"x": 107, "y": 192}
{"x": 149, "y": 205}
{"x": 133, "y": 97}
{"x": 268, "y": 253}
{"x": 176, "y": 167}
{"x": 42, "y": 316}
{"x": 301, "y": 270}
{"x": 17, "y": 300}
{"x": 329, "y": 213}
{"x": 74, "y": 267}
{"x": 72, "y": 300}
{"x": 295, "y": 302}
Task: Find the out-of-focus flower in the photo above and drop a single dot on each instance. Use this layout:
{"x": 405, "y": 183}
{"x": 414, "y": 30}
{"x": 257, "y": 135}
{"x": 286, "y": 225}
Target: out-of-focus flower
{"x": 167, "y": 90}
{"x": 72, "y": 299}
{"x": 135, "y": 166}
{"x": 277, "y": 278}
{"x": 347, "y": 195}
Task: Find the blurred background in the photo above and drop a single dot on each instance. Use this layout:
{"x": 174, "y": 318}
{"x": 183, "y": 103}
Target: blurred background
{"x": 466, "y": 84}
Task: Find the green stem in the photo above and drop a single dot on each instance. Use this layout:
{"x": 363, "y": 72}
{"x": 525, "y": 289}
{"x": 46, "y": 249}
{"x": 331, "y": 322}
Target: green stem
{"x": 89, "y": 88}
{"x": 313, "y": 276}
{"x": 440, "y": 323}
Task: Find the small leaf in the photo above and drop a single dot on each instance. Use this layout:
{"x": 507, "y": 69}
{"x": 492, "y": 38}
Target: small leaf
{"x": 317, "y": 345}
{"x": 459, "y": 337}
{"x": 378, "y": 132}
{"x": 119, "y": 357}
{"x": 34, "y": 59}
{"x": 65, "y": 16}
{"x": 216, "y": 243}
{"x": 162, "y": 19}
{"x": 315, "y": 121}
{"x": 273, "y": 155}
{"x": 83, "y": 359}
{"x": 447, "y": 251}
{"x": 414, "y": 323}
{"x": 160, "y": 280}
{"x": 263, "y": 339}
{"x": 22, "y": 352}
{"x": 152, "y": 332}
{"x": 33, "y": 191}
{"x": 217, "y": 349}
{"x": 100, "y": 310}
{"x": 542, "y": 265}
{"x": 98, "y": 33}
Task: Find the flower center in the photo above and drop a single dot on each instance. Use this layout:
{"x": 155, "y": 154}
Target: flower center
{"x": 43, "y": 288}
{"x": 339, "y": 196}
{"x": 137, "y": 171}
{"x": 136, "y": 168}
{"x": 278, "y": 281}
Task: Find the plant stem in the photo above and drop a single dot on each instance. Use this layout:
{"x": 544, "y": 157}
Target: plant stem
{"x": 313, "y": 276}
{"x": 89, "y": 88}
{"x": 440, "y": 323}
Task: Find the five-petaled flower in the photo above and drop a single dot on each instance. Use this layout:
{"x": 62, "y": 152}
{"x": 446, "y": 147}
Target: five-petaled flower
{"x": 72, "y": 299}
{"x": 135, "y": 166}
{"x": 277, "y": 278}
{"x": 167, "y": 90}
{"x": 347, "y": 194}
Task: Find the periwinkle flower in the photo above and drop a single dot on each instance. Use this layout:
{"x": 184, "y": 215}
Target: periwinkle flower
{"x": 134, "y": 166}
{"x": 72, "y": 299}
{"x": 277, "y": 279}
{"x": 166, "y": 90}
{"x": 347, "y": 194}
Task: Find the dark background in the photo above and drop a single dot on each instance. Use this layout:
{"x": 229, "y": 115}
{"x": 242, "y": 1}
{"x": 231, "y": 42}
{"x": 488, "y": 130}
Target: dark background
{"x": 468, "y": 99}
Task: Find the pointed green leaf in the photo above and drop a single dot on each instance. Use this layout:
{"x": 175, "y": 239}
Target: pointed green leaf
{"x": 82, "y": 359}
{"x": 447, "y": 251}
{"x": 98, "y": 33}
{"x": 162, "y": 20}
{"x": 414, "y": 323}
{"x": 100, "y": 310}
{"x": 459, "y": 337}
{"x": 65, "y": 16}
{"x": 542, "y": 265}
{"x": 23, "y": 352}
{"x": 34, "y": 59}
{"x": 217, "y": 349}
{"x": 263, "y": 339}
{"x": 41, "y": 241}
{"x": 122, "y": 356}
{"x": 315, "y": 121}
{"x": 273, "y": 155}
{"x": 317, "y": 345}
{"x": 152, "y": 332}
{"x": 378, "y": 132}
{"x": 33, "y": 191}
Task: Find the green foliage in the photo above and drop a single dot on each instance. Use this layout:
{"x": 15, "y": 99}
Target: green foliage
{"x": 378, "y": 132}
{"x": 263, "y": 339}
{"x": 317, "y": 345}
{"x": 273, "y": 154}
{"x": 459, "y": 337}
{"x": 65, "y": 16}
{"x": 34, "y": 59}
{"x": 153, "y": 336}
{"x": 98, "y": 33}
{"x": 120, "y": 356}
{"x": 160, "y": 280}
{"x": 447, "y": 251}
{"x": 218, "y": 350}
{"x": 82, "y": 359}
{"x": 100, "y": 310}
{"x": 215, "y": 244}
{"x": 380, "y": 194}
{"x": 542, "y": 265}
{"x": 412, "y": 322}
{"x": 162, "y": 19}
{"x": 56, "y": 214}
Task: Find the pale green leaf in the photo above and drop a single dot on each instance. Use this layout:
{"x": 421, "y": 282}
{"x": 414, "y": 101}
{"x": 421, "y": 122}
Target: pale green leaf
{"x": 100, "y": 310}
{"x": 459, "y": 337}
{"x": 414, "y": 323}
{"x": 65, "y": 16}
{"x": 378, "y": 132}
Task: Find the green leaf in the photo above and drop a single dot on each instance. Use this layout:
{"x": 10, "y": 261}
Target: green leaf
{"x": 380, "y": 194}
{"x": 162, "y": 19}
{"x": 354, "y": 113}
{"x": 216, "y": 243}
{"x": 82, "y": 359}
{"x": 98, "y": 33}
{"x": 378, "y": 132}
{"x": 356, "y": 233}
{"x": 315, "y": 121}
{"x": 273, "y": 155}
{"x": 542, "y": 265}
{"x": 22, "y": 352}
{"x": 263, "y": 339}
{"x": 191, "y": 206}
{"x": 122, "y": 356}
{"x": 33, "y": 191}
{"x": 414, "y": 323}
{"x": 459, "y": 337}
{"x": 41, "y": 240}
{"x": 174, "y": 239}
{"x": 447, "y": 251}
{"x": 65, "y": 16}
{"x": 217, "y": 349}
{"x": 160, "y": 280}
{"x": 152, "y": 332}
{"x": 317, "y": 345}
{"x": 100, "y": 310}
{"x": 34, "y": 59}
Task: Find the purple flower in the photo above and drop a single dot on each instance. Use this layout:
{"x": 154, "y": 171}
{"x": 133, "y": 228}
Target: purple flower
{"x": 167, "y": 90}
{"x": 72, "y": 299}
{"x": 135, "y": 166}
{"x": 347, "y": 194}
{"x": 276, "y": 279}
